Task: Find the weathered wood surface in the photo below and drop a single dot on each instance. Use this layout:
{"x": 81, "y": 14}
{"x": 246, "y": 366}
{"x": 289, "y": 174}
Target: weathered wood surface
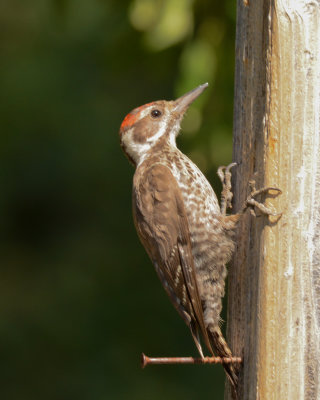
{"x": 274, "y": 282}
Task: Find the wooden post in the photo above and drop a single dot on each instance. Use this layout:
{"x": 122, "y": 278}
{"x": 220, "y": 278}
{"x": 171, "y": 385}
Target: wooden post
{"x": 274, "y": 282}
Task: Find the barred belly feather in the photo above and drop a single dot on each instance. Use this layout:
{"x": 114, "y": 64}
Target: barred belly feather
{"x": 212, "y": 242}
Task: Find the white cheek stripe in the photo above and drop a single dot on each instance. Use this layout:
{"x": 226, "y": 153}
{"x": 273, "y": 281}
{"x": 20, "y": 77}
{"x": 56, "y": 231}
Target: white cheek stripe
{"x": 161, "y": 131}
{"x": 138, "y": 151}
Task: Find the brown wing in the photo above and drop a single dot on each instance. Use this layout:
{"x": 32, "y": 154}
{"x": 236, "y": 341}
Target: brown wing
{"x": 162, "y": 225}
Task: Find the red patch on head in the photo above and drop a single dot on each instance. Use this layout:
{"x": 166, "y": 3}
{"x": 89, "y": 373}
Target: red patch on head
{"x": 129, "y": 120}
{"x": 132, "y": 117}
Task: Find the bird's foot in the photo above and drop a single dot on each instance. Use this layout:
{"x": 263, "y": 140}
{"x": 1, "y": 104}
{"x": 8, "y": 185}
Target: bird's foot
{"x": 224, "y": 174}
{"x": 251, "y": 202}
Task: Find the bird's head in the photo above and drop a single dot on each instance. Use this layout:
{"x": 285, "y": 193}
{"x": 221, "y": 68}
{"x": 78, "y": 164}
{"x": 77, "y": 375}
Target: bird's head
{"x": 154, "y": 123}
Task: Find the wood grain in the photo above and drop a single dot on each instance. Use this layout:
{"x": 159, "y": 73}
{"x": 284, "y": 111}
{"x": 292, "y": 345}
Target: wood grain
{"x": 274, "y": 282}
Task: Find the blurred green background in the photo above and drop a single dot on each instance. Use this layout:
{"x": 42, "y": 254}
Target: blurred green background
{"x": 79, "y": 298}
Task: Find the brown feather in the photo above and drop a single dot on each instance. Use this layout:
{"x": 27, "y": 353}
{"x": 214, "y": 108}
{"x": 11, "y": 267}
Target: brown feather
{"x": 179, "y": 221}
{"x": 162, "y": 225}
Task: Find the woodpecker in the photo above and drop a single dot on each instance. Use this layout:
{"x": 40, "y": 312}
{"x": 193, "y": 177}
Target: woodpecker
{"x": 187, "y": 235}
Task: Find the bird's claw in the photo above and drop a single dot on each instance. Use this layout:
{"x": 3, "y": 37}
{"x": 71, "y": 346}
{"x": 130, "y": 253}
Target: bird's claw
{"x": 251, "y": 202}
{"x": 226, "y": 194}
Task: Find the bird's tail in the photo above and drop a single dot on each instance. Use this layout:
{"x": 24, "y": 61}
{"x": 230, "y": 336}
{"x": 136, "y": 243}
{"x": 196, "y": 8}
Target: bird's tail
{"x": 221, "y": 348}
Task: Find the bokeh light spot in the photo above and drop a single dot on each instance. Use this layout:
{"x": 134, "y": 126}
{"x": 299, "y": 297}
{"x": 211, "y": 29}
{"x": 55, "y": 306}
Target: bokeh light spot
{"x": 165, "y": 22}
{"x": 192, "y": 121}
{"x": 197, "y": 65}
{"x": 143, "y": 14}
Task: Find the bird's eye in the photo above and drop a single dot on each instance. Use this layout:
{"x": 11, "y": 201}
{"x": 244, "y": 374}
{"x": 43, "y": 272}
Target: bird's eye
{"x": 156, "y": 113}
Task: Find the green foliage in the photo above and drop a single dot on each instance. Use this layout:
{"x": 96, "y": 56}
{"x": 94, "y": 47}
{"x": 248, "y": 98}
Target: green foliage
{"x": 80, "y": 299}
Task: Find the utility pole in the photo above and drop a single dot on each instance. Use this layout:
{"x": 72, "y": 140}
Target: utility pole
{"x": 274, "y": 281}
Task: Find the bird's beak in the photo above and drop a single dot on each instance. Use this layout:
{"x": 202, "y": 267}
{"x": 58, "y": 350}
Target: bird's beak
{"x": 183, "y": 102}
